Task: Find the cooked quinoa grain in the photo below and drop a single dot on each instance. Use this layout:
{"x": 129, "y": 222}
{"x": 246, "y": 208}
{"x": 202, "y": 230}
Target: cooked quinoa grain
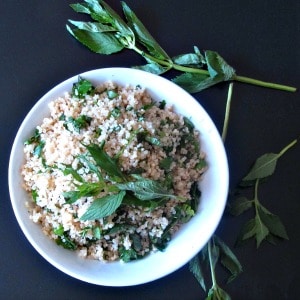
{"x": 112, "y": 174}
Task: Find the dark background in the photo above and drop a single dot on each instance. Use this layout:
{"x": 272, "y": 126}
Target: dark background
{"x": 259, "y": 38}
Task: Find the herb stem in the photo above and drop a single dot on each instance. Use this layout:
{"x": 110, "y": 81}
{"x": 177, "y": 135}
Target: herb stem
{"x": 265, "y": 84}
{"x": 286, "y": 148}
{"x": 256, "y": 202}
{"x": 227, "y": 112}
{"x": 169, "y": 64}
{"x": 212, "y": 270}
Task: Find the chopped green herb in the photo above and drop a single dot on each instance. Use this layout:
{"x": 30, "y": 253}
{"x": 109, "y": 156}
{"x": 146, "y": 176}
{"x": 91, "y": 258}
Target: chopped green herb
{"x": 76, "y": 124}
{"x": 116, "y": 112}
{"x": 34, "y": 195}
{"x": 66, "y": 242}
{"x": 201, "y": 164}
{"x": 148, "y": 106}
{"x": 118, "y": 228}
{"x": 97, "y": 233}
{"x": 165, "y": 163}
{"x": 127, "y": 254}
{"x": 37, "y": 151}
{"x": 82, "y": 88}
{"x": 189, "y": 124}
{"x": 34, "y": 139}
{"x": 136, "y": 242}
{"x": 146, "y": 137}
{"x": 162, "y": 104}
{"x": 152, "y": 140}
{"x": 84, "y": 231}
{"x": 111, "y": 94}
{"x": 117, "y": 128}
{"x": 98, "y": 132}
{"x": 59, "y": 230}
{"x": 195, "y": 196}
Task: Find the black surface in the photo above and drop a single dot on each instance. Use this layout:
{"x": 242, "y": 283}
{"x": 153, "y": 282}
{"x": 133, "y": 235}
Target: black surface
{"x": 259, "y": 38}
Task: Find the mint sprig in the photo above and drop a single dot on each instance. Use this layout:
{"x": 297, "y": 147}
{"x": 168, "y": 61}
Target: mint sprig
{"x": 109, "y": 33}
{"x": 264, "y": 225}
{"x": 216, "y": 251}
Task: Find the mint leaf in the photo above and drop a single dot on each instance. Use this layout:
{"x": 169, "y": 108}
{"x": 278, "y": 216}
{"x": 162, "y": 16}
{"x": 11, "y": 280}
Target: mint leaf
{"x": 92, "y": 26}
{"x": 80, "y": 8}
{"x": 118, "y": 22}
{"x": 217, "y": 66}
{"x": 104, "y": 161}
{"x": 263, "y": 167}
{"x": 217, "y": 293}
{"x": 240, "y": 205}
{"x": 87, "y": 189}
{"x": 130, "y": 199}
{"x": 187, "y": 59}
{"x": 101, "y": 43}
{"x": 261, "y": 230}
{"x": 145, "y": 189}
{"x": 103, "y": 207}
{"x": 194, "y": 82}
{"x": 195, "y": 268}
{"x": 228, "y": 259}
{"x": 254, "y": 228}
{"x": 218, "y": 71}
{"x": 94, "y": 9}
{"x": 272, "y": 222}
{"x": 143, "y": 35}
{"x": 92, "y": 167}
{"x": 152, "y": 67}
{"x": 69, "y": 170}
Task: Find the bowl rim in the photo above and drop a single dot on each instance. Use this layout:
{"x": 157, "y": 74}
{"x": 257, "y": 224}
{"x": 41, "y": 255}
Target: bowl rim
{"x": 220, "y": 152}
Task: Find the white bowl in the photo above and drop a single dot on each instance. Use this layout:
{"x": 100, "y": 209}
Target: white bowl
{"x": 191, "y": 237}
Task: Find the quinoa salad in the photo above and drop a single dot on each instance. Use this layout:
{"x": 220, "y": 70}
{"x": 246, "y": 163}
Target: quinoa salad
{"x": 111, "y": 172}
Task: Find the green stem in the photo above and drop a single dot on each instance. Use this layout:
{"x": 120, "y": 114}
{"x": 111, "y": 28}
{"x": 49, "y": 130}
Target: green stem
{"x": 227, "y": 112}
{"x": 212, "y": 270}
{"x": 265, "y": 84}
{"x": 256, "y": 202}
{"x": 286, "y": 148}
{"x": 170, "y": 65}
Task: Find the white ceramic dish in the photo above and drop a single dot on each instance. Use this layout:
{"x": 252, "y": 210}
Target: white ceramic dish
{"x": 191, "y": 237}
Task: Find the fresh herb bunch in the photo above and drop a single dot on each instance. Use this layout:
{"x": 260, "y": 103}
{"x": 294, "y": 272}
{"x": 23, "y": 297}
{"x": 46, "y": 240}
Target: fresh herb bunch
{"x": 108, "y": 33}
